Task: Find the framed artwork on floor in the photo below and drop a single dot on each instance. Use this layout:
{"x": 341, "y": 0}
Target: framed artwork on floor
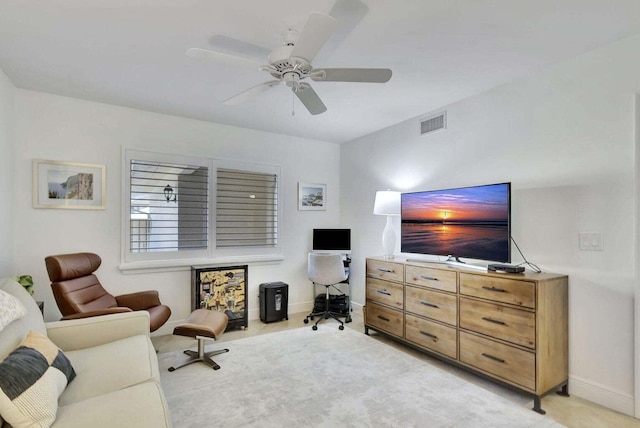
{"x": 68, "y": 185}
{"x": 222, "y": 289}
{"x": 312, "y": 196}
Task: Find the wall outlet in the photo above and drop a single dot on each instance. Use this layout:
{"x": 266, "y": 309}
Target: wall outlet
{"x": 591, "y": 241}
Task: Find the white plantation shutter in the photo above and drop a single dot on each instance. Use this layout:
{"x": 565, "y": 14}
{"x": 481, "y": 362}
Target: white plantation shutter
{"x": 246, "y": 209}
{"x": 178, "y": 224}
{"x": 218, "y": 210}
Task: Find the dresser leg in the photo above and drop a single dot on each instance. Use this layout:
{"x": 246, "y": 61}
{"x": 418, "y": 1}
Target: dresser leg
{"x": 565, "y": 390}
{"x": 536, "y": 405}
{"x": 366, "y": 330}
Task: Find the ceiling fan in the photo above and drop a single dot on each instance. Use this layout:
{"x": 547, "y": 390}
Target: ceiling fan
{"x": 291, "y": 64}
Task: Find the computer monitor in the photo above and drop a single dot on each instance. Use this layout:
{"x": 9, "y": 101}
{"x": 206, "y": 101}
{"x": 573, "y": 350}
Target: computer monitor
{"x": 334, "y": 241}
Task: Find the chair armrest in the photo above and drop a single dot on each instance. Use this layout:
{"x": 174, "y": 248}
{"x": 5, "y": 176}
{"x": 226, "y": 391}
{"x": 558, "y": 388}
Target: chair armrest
{"x": 94, "y": 331}
{"x": 139, "y": 301}
{"x": 99, "y": 312}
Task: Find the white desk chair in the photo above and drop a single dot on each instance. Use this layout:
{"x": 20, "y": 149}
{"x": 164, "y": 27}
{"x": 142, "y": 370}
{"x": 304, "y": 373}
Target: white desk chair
{"x": 327, "y": 270}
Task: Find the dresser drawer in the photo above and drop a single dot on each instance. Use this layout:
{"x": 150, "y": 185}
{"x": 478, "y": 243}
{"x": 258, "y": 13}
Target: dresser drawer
{"x": 503, "y": 361}
{"x": 510, "y": 324}
{"x": 431, "y": 335}
{"x": 385, "y": 292}
{"x": 385, "y": 270}
{"x": 385, "y": 319}
{"x": 431, "y": 304}
{"x": 505, "y": 290}
{"x": 440, "y": 279}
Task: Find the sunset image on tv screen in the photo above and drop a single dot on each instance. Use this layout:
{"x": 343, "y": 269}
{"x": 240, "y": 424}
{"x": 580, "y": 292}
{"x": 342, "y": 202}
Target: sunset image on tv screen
{"x": 471, "y": 222}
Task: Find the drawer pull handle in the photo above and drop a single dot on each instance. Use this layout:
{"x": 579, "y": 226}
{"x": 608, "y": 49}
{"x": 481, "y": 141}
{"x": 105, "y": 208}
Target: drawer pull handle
{"x": 385, "y": 270}
{"x": 429, "y": 335}
{"x": 499, "y": 290}
{"x": 384, "y": 318}
{"x": 491, "y": 357}
{"x": 429, "y": 278}
{"x": 494, "y": 321}
{"x": 386, "y": 293}
{"x": 431, "y": 305}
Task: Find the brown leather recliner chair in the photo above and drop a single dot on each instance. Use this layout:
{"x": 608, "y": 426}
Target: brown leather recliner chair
{"x": 79, "y": 294}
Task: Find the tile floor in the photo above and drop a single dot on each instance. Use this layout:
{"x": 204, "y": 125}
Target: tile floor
{"x": 571, "y": 411}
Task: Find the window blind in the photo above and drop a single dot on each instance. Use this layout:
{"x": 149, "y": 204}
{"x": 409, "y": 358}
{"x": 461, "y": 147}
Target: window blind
{"x": 174, "y": 200}
{"x": 246, "y": 209}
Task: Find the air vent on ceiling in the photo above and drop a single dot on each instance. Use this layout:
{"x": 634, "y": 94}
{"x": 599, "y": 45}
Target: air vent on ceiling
{"x": 433, "y": 123}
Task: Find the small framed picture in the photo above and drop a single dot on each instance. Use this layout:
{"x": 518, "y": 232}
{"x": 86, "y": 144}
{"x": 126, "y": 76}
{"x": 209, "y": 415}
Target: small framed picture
{"x": 68, "y": 185}
{"x": 312, "y": 196}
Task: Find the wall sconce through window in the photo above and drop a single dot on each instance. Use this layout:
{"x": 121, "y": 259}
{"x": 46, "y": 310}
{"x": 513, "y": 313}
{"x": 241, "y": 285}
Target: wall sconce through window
{"x": 168, "y": 194}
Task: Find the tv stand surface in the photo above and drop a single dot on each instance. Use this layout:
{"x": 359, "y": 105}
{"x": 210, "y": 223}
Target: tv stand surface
{"x": 511, "y": 328}
{"x": 464, "y": 265}
{"x": 448, "y": 262}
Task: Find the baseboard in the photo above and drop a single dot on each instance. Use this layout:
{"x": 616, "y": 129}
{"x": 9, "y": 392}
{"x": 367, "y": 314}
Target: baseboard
{"x": 254, "y": 314}
{"x": 356, "y": 308}
{"x": 601, "y": 395}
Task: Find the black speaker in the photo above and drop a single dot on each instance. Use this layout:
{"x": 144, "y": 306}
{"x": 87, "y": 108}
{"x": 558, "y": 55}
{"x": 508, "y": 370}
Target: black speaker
{"x": 274, "y": 301}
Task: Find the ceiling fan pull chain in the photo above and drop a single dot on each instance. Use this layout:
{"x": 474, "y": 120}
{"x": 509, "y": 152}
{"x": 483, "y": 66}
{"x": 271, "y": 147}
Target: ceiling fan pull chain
{"x": 293, "y": 104}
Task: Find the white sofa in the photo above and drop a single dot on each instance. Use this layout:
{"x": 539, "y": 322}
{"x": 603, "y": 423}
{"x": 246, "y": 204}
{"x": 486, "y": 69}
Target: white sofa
{"x": 117, "y": 381}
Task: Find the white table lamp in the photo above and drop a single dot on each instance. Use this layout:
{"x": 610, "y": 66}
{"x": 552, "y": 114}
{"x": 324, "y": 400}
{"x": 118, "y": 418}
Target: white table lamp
{"x": 388, "y": 203}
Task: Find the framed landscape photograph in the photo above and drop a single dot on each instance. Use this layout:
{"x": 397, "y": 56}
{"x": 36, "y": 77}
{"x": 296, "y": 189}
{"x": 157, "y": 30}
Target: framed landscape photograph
{"x": 68, "y": 185}
{"x": 312, "y": 196}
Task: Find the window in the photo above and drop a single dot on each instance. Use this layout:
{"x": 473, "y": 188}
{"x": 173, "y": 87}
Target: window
{"x": 169, "y": 200}
{"x": 246, "y": 209}
{"x": 167, "y": 207}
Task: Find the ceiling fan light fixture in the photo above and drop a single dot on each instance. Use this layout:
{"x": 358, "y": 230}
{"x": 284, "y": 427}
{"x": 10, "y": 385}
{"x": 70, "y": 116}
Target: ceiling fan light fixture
{"x": 291, "y": 79}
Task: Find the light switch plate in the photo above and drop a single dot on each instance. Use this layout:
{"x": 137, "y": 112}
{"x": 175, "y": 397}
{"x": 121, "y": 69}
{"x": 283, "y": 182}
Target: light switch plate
{"x": 591, "y": 241}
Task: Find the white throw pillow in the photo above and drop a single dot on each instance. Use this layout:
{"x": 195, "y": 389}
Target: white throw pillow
{"x": 10, "y": 309}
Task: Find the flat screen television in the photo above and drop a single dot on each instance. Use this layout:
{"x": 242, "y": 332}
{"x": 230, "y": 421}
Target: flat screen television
{"x": 467, "y": 222}
{"x": 332, "y": 240}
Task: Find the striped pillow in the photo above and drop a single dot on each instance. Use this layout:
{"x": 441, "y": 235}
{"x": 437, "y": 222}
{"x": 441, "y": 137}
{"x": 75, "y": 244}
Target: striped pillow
{"x": 32, "y": 378}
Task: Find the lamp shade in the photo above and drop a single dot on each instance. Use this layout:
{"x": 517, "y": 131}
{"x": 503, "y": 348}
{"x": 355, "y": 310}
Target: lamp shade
{"x": 387, "y": 203}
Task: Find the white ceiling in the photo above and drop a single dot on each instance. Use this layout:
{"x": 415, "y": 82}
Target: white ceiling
{"x": 132, "y": 53}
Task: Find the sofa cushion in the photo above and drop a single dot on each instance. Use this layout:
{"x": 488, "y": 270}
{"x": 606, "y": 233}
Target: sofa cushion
{"x": 10, "y": 309}
{"x": 111, "y": 367}
{"x": 32, "y": 377}
{"x": 15, "y": 332}
{"x": 138, "y": 406}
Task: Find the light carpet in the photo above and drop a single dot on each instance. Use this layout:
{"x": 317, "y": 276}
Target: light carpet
{"x": 328, "y": 378}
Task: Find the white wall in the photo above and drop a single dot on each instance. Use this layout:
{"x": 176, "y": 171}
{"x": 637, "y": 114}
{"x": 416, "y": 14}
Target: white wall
{"x": 564, "y": 138}
{"x": 7, "y": 259}
{"x": 59, "y": 128}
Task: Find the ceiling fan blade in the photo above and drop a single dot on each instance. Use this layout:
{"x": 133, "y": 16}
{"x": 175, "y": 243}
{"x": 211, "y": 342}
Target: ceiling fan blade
{"x": 348, "y": 13}
{"x": 224, "y": 58}
{"x": 310, "y": 99}
{"x": 351, "y": 11}
{"x": 313, "y": 36}
{"x": 231, "y": 46}
{"x": 365, "y": 75}
{"x": 249, "y": 93}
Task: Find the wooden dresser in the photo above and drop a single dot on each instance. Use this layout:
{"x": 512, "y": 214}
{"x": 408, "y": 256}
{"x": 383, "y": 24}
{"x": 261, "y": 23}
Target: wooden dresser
{"x": 511, "y": 328}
